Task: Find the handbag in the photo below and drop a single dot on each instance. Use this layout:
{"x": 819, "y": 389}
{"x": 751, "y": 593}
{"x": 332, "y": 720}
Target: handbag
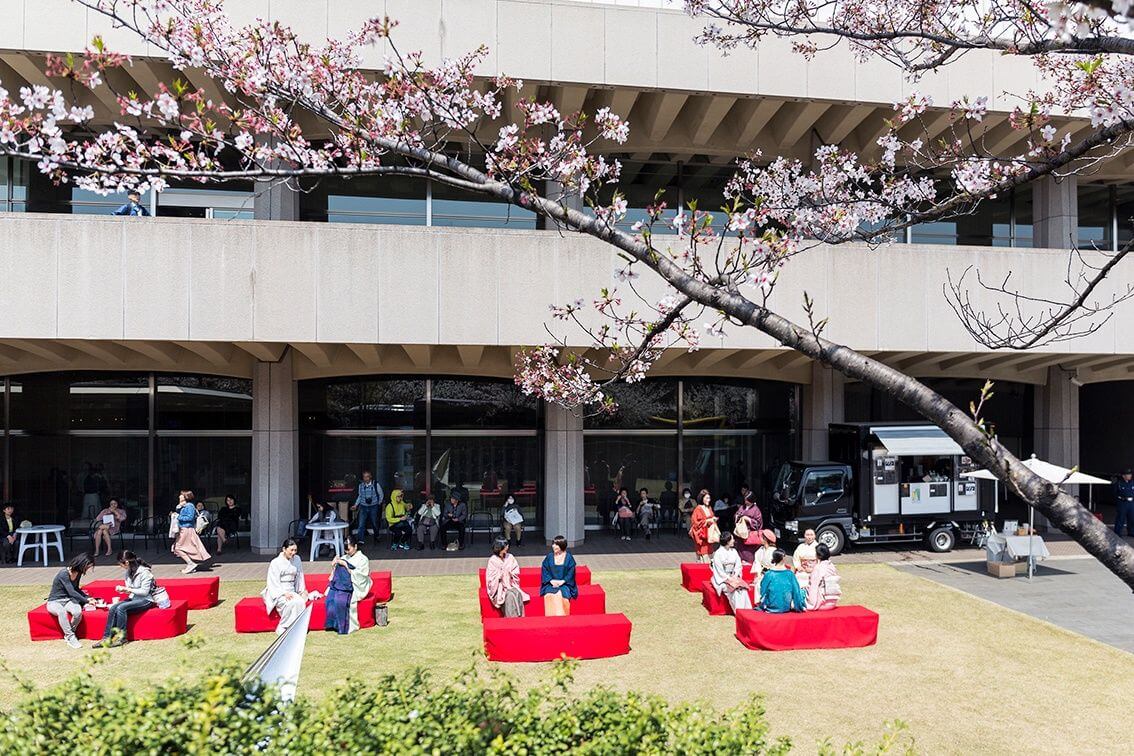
{"x": 714, "y": 533}
{"x": 741, "y": 529}
{"x": 174, "y": 528}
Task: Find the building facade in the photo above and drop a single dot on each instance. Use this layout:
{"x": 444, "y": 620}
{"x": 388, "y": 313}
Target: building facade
{"x": 272, "y": 344}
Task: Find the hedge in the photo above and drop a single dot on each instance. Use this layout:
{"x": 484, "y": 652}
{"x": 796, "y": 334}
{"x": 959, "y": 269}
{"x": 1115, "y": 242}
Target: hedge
{"x": 480, "y": 712}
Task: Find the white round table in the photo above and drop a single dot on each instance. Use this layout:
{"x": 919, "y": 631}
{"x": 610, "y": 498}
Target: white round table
{"x": 324, "y": 533}
{"x": 43, "y": 537}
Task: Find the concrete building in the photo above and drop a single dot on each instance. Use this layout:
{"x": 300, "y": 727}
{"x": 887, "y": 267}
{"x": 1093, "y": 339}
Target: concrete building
{"x": 273, "y": 345}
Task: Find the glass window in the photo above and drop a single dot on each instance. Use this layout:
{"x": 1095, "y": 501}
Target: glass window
{"x": 84, "y": 202}
{"x": 822, "y": 485}
{"x": 210, "y": 467}
{"x": 192, "y": 402}
{"x": 366, "y": 199}
{"x": 489, "y": 468}
{"x": 13, "y": 184}
{"x": 354, "y": 404}
{"x": 631, "y": 460}
{"x": 455, "y": 207}
{"x": 1022, "y": 203}
{"x": 57, "y": 402}
{"x": 223, "y": 201}
{"x": 749, "y": 404}
{"x": 482, "y": 404}
{"x": 1124, "y": 210}
{"x": 1094, "y": 216}
{"x": 649, "y": 404}
{"x": 67, "y": 480}
{"x": 331, "y": 466}
{"x": 640, "y": 183}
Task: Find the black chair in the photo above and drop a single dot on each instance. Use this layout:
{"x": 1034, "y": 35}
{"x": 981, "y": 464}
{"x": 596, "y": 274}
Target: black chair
{"x": 488, "y": 524}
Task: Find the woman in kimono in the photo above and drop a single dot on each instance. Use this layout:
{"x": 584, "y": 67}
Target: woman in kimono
{"x": 286, "y": 591}
{"x": 350, "y": 583}
{"x": 753, "y": 520}
{"x": 502, "y": 580}
{"x": 557, "y": 580}
{"x": 702, "y": 518}
{"x": 728, "y": 580}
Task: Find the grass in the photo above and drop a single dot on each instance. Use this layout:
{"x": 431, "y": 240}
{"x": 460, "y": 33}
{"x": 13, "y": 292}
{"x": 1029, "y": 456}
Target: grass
{"x": 965, "y": 675}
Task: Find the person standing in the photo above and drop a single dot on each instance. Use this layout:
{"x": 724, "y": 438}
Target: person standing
{"x": 454, "y": 519}
{"x": 701, "y": 520}
{"x": 1124, "y": 503}
{"x": 367, "y": 503}
{"x": 188, "y": 546}
{"x": 8, "y": 527}
{"x": 752, "y": 520}
{"x": 133, "y": 206}
{"x": 66, "y": 600}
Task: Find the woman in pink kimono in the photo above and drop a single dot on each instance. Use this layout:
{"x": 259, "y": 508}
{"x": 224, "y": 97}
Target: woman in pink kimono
{"x": 823, "y": 589}
{"x": 502, "y": 580}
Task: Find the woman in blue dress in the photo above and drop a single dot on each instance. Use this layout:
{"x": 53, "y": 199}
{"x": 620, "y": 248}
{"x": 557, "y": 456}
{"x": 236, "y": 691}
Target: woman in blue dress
{"x": 557, "y": 580}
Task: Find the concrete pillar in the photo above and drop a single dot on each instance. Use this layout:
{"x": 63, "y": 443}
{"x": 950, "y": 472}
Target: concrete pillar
{"x": 1057, "y": 423}
{"x": 1055, "y": 213}
{"x": 823, "y": 404}
{"x": 553, "y": 190}
{"x": 563, "y": 444}
{"x": 275, "y": 453}
{"x": 276, "y": 200}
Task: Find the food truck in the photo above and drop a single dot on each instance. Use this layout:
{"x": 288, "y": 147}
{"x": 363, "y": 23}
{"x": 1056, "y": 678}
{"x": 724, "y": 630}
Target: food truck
{"x": 885, "y": 483}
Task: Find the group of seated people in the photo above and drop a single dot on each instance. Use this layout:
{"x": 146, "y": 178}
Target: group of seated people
{"x": 139, "y": 591}
{"x": 558, "y": 586}
{"x": 286, "y": 591}
{"x": 808, "y": 581}
{"x": 643, "y": 514}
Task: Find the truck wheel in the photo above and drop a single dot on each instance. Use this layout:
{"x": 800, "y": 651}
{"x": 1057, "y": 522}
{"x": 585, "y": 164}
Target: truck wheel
{"x": 832, "y": 537}
{"x": 941, "y": 539}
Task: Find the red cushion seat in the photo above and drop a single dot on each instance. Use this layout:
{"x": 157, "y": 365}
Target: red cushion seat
{"x": 148, "y": 624}
{"x": 530, "y": 577}
{"x": 539, "y": 639}
{"x": 841, "y": 627}
{"x": 198, "y": 592}
{"x": 251, "y": 617}
{"x": 716, "y": 604}
{"x": 591, "y": 600}
{"x": 695, "y": 573}
{"x": 381, "y": 588}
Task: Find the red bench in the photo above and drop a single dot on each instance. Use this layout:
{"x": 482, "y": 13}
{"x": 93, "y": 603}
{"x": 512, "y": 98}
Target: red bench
{"x": 540, "y": 639}
{"x": 591, "y": 600}
{"x": 841, "y": 627}
{"x": 149, "y": 624}
{"x": 716, "y": 604}
{"x": 695, "y": 573}
{"x": 197, "y": 592}
{"x": 251, "y": 617}
{"x": 530, "y": 577}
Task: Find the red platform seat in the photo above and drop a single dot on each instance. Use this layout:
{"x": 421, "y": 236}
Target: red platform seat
{"x": 381, "y": 588}
{"x": 695, "y": 573}
{"x": 149, "y": 624}
{"x": 841, "y": 627}
{"x": 716, "y": 604}
{"x": 251, "y": 617}
{"x": 539, "y": 639}
{"x": 530, "y": 577}
{"x": 198, "y": 592}
{"x": 591, "y": 600}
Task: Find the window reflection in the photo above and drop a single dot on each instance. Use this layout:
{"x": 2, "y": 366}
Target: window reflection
{"x": 331, "y": 466}
{"x": 191, "y": 402}
{"x": 630, "y": 460}
{"x": 353, "y": 404}
{"x": 488, "y": 469}
{"x": 366, "y": 199}
{"x": 61, "y": 402}
{"x": 649, "y": 404}
{"x": 211, "y": 468}
{"x": 1095, "y": 216}
{"x": 482, "y": 404}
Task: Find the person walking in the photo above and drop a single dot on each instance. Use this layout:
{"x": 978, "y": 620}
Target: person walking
{"x": 188, "y": 546}
{"x": 1124, "y": 503}
{"x": 133, "y": 206}
{"x": 367, "y": 504}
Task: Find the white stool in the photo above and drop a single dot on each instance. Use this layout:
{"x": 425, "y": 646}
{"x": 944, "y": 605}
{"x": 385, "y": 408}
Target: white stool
{"x": 43, "y": 537}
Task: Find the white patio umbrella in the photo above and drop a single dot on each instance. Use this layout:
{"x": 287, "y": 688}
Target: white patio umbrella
{"x": 1052, "y": 473}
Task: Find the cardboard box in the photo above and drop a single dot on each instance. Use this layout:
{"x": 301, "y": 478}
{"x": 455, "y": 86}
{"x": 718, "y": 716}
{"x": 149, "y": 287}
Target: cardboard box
{"x": 1001, "y": 569}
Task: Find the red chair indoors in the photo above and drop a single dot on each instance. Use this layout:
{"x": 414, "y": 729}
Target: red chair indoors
{"x": 841, "y": 627}
{"x": 198, "y": 592}
{"x": 591, "y": 600}
{"x": 540, "y": 639}
{"x": 149, "y": 624}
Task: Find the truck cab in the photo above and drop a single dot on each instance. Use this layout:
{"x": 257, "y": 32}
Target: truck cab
{"x": 816, "y": 495}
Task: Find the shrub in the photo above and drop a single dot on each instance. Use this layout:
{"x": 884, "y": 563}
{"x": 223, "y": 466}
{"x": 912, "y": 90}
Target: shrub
{"x": 481, "y": 712}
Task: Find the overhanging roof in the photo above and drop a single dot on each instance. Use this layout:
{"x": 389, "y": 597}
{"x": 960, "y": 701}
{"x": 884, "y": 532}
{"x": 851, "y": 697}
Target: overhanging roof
{"x": 916, "y": 439}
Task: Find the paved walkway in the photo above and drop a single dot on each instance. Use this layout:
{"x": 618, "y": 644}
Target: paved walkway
{"x": 1076, "y": 593}
{"x": 600, "y": 552}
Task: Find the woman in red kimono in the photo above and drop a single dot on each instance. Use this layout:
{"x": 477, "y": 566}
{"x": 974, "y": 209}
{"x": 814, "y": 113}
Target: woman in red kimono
{"x": 699, "y": 531}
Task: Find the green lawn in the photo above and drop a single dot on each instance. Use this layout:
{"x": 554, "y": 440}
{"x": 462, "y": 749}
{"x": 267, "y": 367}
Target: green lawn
{"x": 965, "y": 675}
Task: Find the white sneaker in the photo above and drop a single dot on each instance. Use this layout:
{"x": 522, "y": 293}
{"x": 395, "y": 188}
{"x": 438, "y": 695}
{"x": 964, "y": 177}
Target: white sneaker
{"x": 73, "y": 642}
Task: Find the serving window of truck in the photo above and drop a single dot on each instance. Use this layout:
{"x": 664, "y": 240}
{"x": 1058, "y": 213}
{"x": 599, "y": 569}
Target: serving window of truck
{"x": 915, "y": 470}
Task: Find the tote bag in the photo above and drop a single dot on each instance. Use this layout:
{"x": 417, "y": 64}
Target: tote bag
{"x": 714, "y": 533}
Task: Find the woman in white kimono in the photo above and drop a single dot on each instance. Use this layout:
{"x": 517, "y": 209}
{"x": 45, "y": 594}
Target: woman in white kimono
{"x": 286, "y": 591}
{"x": 359, "y": 566}
{"x": 728, "y": 573}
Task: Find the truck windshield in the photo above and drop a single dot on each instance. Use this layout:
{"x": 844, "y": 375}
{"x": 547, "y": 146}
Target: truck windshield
{"x": 787, "y": 481}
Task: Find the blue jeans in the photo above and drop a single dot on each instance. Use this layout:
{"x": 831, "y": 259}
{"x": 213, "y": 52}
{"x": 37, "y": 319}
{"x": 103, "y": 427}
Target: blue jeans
{"x": 1124, "y": 517}
{"x": 367, "y": 514}
{"x": 120, "y": 612}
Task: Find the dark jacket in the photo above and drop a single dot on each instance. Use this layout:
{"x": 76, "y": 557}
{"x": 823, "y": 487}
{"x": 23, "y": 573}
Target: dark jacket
{"x": 459, "y": 513}
{"x": 63, "y": 589}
